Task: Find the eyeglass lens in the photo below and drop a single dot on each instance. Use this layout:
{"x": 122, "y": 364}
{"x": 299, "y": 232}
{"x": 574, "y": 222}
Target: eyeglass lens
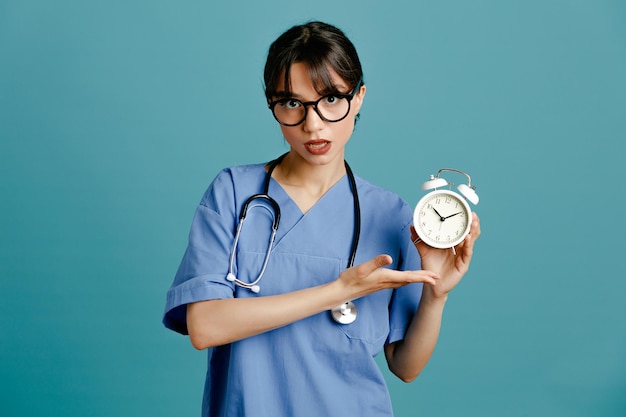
{"x": 331, "y": 108}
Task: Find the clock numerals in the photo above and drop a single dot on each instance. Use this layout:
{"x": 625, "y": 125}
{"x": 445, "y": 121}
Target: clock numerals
{"x": 441, "y": 219}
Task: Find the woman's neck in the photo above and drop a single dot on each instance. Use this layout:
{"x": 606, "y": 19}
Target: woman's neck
{"x": 306, "y": 183}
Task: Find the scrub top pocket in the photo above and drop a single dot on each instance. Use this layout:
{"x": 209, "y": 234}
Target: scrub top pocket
{"x": 287, "y": 272}
{"x": 372, "y": 323}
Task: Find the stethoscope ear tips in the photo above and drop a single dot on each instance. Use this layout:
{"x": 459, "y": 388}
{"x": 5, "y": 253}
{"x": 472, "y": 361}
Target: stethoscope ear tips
{"x": 468, "y": 193}
{"x": 232, "y": 278}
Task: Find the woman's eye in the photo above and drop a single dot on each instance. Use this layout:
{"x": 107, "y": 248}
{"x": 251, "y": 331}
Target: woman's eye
{"x": 330, "y": 99}
{"x": 290, "y": 103}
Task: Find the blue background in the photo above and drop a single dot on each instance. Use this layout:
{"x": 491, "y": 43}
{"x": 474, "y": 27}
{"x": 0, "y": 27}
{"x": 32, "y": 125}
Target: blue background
{"x": 115, "y": 116}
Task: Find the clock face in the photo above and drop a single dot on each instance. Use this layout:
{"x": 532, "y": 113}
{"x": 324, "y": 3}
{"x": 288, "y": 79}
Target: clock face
{"x": 441, "y": 219}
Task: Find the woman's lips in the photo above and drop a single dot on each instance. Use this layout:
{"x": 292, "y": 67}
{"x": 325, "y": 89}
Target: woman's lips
{"x": 318, "y": 146}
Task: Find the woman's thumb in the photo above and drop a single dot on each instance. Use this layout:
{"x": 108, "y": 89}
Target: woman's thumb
{"x": 375, "y": 263}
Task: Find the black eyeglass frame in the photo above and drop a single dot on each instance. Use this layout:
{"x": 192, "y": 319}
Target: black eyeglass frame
{"x": 306, "y": 104}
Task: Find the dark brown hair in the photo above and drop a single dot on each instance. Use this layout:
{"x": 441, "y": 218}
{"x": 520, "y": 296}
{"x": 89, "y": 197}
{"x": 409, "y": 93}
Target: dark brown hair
{"x": 320, "y": 47}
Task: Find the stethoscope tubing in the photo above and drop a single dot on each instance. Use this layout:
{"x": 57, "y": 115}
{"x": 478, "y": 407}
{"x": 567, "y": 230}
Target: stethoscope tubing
{"x": 345, "y": 313}
{"x": 254, "y": 285}
{"x": 357, "y": 215}
{"x": 266, "y": 197}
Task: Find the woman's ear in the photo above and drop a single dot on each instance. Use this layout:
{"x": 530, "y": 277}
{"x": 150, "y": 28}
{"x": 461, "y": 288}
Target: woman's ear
{"x": 358, "y": 98}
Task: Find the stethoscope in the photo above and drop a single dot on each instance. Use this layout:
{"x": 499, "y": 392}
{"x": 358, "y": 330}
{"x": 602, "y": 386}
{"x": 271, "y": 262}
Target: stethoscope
{"x": 345, "y": 313}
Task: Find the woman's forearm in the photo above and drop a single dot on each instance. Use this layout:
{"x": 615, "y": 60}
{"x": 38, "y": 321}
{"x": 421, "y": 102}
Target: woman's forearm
{"x": 408, "y": 357}
{"x": 217, "y": 322}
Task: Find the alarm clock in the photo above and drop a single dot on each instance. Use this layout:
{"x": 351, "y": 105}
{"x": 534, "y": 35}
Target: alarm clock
{"x": 443, "y": 218}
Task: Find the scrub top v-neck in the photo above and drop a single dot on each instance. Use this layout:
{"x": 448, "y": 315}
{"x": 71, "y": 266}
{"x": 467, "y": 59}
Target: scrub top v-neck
{"x": 313, "y": 366}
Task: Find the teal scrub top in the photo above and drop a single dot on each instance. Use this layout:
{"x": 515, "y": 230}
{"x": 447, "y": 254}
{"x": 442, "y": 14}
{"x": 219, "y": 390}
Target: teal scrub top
{"x": 315, "y": 366}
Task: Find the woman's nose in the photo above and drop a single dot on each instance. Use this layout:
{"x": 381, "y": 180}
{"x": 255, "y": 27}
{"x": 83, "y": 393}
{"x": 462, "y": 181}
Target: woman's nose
{"x": 313, "y": 121}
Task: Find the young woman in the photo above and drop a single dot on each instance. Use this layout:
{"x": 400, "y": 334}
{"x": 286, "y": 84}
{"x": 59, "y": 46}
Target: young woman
{"x": 293, "y": 323}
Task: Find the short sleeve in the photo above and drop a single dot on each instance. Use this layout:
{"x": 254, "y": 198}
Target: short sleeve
{"x": 405, "y": 300}
{"x": 202, "y": 271}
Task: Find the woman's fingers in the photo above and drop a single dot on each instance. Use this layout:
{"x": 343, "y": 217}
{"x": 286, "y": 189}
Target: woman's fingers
{"x": 372, "y": 265}
{"x": 374, "y": 275}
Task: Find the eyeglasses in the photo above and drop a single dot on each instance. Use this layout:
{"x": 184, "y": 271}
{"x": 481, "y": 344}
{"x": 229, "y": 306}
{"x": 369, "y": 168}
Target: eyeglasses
{"x": 330, "y": 108}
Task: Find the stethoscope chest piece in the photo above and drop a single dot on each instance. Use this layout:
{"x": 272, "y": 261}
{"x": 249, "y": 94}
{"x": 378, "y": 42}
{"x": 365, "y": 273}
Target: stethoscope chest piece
{"x": 345, "y": 313}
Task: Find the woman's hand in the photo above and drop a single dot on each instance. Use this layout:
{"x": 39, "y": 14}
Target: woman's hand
{"x": 217, "y": 322}
{"x": 407, "y": 357}
{"x": 372, "y": 276}
{"x": 448, "y": 266}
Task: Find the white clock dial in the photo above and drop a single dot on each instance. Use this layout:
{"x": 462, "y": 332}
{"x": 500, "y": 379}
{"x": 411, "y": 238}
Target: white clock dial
{"x": 442, "y": 219}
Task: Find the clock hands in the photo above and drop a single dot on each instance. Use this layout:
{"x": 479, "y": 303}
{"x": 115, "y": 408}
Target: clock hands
{"x": 440, "y": 216}
{"x": 443, "y": 219}
{"x": 452, "y": 215}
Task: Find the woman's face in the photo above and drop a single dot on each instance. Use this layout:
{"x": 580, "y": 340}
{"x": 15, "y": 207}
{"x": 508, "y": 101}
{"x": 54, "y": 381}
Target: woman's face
{"x": 316, "y": 141}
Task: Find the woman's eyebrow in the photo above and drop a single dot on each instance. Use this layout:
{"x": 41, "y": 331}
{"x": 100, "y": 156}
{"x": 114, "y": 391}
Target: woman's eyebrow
{"x": 291, "y": 94}
{"x": 284, "y": 94}
{"x": 288, "y": 94}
